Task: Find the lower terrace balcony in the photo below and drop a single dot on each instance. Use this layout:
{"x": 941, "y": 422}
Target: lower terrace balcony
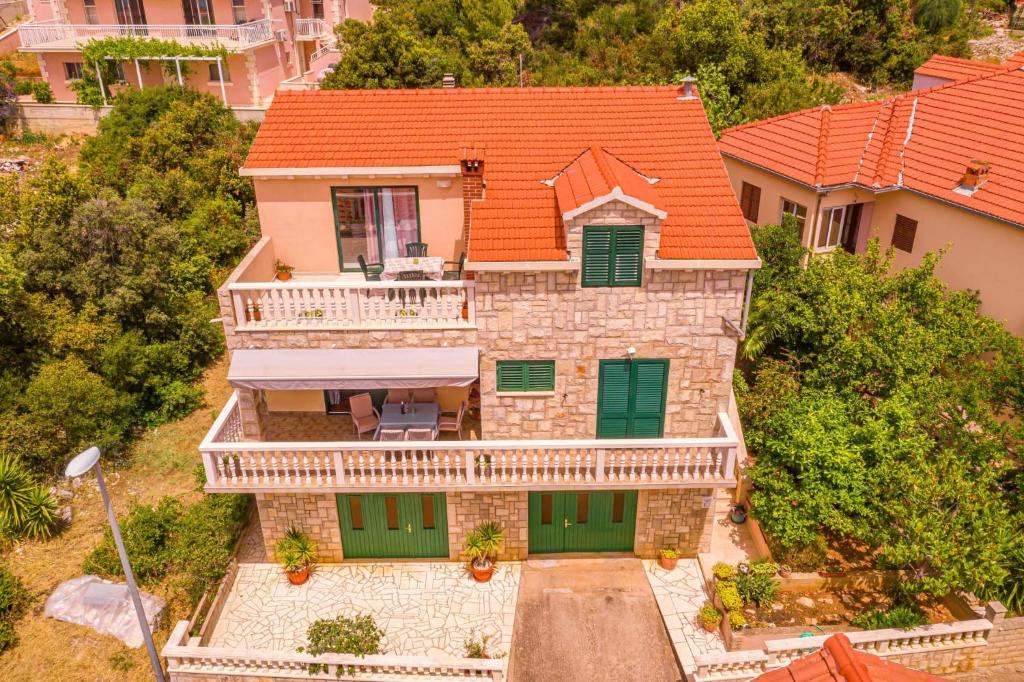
{"x": 321, "y": 453}
{"x": 51, "y": 36}
{"x": 256, "y": 301}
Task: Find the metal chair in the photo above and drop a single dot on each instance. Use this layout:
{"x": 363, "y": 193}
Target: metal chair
{"x": 416, "y": 249}
{"x": 391, "y": 434}
{"x": 452, "y": 422}
{"x": 370, "y": 276}
{"x": 455, "y": 274}
{"x": 421, "y": 434}
{"x": 397, "y": 395}
{"x": 365, "y": 416}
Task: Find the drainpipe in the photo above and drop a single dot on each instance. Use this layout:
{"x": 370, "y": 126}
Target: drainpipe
{"x": 748, "y": 293}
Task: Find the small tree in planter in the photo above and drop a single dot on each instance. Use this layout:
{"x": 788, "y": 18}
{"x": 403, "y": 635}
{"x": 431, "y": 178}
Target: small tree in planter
{"x": 482, "y": 545}
{"x": 297, "y": 554}
{"x": 709, "y": 617}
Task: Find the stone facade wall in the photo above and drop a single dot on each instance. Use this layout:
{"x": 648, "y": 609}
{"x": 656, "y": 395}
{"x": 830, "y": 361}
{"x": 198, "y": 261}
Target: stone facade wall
{"x": 1005, "y": 650}
{"x": 315, "y": 515}
{"x": 675, "y": 519}
{"x": 948, "y": 662}
{"x": 613, "y": 213}
{"x": 468, "y": 509}
{"x": 676, "y": 314}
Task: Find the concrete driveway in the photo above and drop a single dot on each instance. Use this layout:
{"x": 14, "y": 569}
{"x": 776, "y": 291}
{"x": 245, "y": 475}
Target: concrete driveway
{"x": 589, "y": 619}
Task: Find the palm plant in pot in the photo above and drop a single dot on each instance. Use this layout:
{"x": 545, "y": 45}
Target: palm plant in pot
{"x": 297, "y": 554}
{"x": 482, "y": 545}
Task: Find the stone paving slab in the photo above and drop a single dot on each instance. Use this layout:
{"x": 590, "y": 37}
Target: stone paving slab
{"x": 424, "y": 608}
{"x": 680, "y": 595}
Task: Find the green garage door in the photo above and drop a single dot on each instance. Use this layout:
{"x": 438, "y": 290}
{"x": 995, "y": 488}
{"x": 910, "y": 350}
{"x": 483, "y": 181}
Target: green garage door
{"x": 384, "y": 525}
{"x": 584, "y": 521}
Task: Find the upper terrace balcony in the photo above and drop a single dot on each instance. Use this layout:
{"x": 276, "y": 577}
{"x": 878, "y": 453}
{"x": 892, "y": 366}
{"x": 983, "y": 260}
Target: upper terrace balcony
{"x": 311, "y": 29}
{"x": 256, "y": 301}
{"x": 52, "y": 36}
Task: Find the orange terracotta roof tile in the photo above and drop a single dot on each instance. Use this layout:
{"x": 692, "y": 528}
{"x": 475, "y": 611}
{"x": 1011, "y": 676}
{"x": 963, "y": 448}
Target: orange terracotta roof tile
{"x": 955, "y": 69}
{"x": 838, "y": 661}
{"x": 526, "y": 136}
{"x": 919, "y": 141}
{"x": 595, "y": 176}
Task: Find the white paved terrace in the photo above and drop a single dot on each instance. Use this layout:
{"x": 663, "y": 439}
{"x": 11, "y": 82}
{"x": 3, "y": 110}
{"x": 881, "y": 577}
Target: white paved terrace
{"x": 680, "y": 595}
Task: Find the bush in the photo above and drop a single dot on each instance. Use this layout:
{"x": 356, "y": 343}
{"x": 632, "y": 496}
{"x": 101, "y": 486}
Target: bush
{"x": 26, "y": 509}
{"x": 901, "y": 616}
{"x": 147, "y": 536}
{"x": 756, "y": 582}
{"x": 709, "y": 616}
{"x": 723, "y": 571}
{"x": 42, "y": 92}
{"x": 809, "y": 557}
{"x": 23, "y": 88}
{"x": 14, "y": 601}
{"x": 737, "y": 621}
{"x": 729, "y": 595}
{"x": 359, "y": 635}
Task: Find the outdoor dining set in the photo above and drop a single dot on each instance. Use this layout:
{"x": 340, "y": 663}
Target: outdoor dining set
{"x": 407, "y": 414}
{"x": 416, "y": 265}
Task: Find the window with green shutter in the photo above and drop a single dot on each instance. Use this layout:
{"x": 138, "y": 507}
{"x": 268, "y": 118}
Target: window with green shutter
{"x": 613, "y": 256}
{"x": 526, "y": 375}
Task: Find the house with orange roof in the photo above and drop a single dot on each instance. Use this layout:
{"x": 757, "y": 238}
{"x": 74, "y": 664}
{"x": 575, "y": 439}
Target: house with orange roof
{"x": 926, "y": 170}
{"x": 539, "y": 292}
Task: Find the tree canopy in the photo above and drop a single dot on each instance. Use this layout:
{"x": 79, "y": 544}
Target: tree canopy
{"x": 882, "y": 408}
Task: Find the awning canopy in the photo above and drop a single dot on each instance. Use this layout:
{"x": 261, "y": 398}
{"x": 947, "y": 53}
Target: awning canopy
{"x": 355, "y": 368}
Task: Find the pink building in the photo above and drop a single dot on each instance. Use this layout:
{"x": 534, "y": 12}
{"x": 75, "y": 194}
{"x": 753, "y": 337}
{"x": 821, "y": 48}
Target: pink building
{"x": 267, "y": 41}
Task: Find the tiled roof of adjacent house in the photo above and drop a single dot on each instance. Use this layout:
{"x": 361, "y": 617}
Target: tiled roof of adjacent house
{"x": 920, "y": 141}
{"x": 954, "y": 68}
{"x": 526, "y": 136}
{"x": 839, "y": 662}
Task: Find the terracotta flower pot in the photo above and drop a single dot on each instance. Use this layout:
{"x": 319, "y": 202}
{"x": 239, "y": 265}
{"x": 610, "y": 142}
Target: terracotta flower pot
{"x": 709, "y": 626}
{"x": 482, "y": 574}
{"x": 298, "y": 577}
{"x": 666, "y": 563}
{"x": 284, "y": 276}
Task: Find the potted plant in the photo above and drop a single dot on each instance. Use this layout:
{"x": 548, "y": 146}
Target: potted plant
{"x": 297, "y": 554}
{"x": 785, "y": 571}
{"x": 723, "y": 571}
{"x": 738, "y": 513}
{"x": 284, "y": 271}
{"x": 668, "y": 558}
{"x": 737, "y": 621}
{"x": 482, "y": 544}
{"x": 832, "y": 569}
{"x": 709, "y": 617}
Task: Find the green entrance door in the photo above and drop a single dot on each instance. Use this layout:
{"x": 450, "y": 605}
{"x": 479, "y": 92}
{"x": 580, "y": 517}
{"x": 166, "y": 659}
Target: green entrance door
{"x": 385, "y": 525}
{"x": 584, "y": 521}
{"x": 631, "y": 398}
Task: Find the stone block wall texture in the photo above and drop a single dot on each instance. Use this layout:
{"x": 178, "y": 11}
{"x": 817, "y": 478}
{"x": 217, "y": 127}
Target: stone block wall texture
{"x": 468, "y": 509}
{"x": 1005, "y": 650}
{"x": 613, "y": 213}
{"x": 315, "y": 515}
{"x": 674, "y": 519}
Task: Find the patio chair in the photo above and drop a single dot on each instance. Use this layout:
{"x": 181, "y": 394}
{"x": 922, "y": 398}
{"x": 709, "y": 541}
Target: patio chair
{"x": 416, "y": 249}
{"x": 397, "y": 395}
{"x": 452, "y": 421}
{"x": 391, "y": 434}
{"x": 421, "y": 434}
{"x": 455, "y": 274}
{"x": 373, "y": 276}
{"x": 424, "y": 395}
{"x": 365, "y": 416}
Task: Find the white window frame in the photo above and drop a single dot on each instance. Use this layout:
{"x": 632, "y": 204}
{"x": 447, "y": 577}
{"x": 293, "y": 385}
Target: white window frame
{"x": 832, "y": 239}
{"x": 783, "y": 212}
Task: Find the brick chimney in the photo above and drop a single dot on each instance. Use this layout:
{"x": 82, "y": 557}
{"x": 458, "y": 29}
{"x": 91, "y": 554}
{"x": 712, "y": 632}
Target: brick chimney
{"x": 448, "y": 81}
{"x": 975, "y": 175}
{"x": 472, "y": 164}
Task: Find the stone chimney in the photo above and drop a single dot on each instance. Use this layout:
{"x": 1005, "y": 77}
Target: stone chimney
{"x": 472, "y": 164}
{"x": 687, "y": 89}
{"x": 448, "y": 81}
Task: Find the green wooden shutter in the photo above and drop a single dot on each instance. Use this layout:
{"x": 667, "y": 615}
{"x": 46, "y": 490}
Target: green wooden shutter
{"x": 628, "y": 257}
{"x": 647, "y": 413}
{"x": 510, "y": 376}
{"x": 597, "y": 256}
{"x": 526, "y": 375}
{"x": 613, "y": 399}
{"x": 540, "y": 375}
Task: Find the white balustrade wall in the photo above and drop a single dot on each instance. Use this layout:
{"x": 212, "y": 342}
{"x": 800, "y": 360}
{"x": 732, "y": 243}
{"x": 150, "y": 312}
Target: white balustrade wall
{"x": 233, "y": 465}
{"x": 229, "y": 35}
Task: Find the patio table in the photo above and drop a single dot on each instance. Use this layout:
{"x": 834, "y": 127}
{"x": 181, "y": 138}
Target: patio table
{"x": 432, "y": 267}
{"x": 425, "y": 416}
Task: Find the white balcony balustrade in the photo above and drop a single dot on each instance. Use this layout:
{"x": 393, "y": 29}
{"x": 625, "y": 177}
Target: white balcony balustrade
{"x": 51, "y": 35}
{"x": 311, "y": 29}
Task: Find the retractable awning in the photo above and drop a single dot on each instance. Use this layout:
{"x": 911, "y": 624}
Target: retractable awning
{"x": 353, "y": 368}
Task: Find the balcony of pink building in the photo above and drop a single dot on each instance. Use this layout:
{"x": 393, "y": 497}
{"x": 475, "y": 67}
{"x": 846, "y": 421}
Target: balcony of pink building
{"x": 262, "y": 294}
{"x": 54, "y": 36}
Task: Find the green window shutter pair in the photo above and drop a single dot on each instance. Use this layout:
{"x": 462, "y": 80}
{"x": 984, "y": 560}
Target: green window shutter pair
{"x": 526, "y": 375}
{"x": 613, "y": 256}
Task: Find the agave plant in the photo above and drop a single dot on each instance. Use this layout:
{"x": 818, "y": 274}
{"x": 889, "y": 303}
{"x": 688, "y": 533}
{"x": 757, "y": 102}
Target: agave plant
{"x": 40, "y": 518}
{"x": 296, "y": 551}
{"x": 483, "y": 542}
{"x": 15, "y": 490}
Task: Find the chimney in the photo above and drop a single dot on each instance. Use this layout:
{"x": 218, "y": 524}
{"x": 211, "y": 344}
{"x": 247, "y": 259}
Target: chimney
{"x": 975, "y": 175}
{"x": 448, "y": 81}
{"x": 687, "y": 89}
{"x": 472, "y": 184}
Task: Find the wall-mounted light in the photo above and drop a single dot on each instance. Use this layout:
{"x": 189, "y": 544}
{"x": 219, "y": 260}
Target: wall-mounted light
{"x": 444, "y": 183}
{"x": 631, "y": 351}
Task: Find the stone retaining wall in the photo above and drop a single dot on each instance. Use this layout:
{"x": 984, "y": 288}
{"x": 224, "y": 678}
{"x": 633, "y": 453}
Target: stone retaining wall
{"x": 673, "y": 519}
{"x": 1005, "y": 650}
{"x": 315, "y": 515}
{"x": 81, "y": 119}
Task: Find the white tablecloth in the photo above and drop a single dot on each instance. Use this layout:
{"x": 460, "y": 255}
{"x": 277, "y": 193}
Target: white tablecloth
{"x": 431, "y": 266}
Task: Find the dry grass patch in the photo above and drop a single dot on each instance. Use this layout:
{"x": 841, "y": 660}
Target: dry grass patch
{"x": 163, "y": 463}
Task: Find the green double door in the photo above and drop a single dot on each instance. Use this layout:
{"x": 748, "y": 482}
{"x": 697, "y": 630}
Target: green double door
{"x": 393, "y": 525}
{"x": 631, "y": 398}
{"x": 583, "y": 521}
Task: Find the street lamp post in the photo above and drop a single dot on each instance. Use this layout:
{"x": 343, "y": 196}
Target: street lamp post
{"x": 79, "y": 466}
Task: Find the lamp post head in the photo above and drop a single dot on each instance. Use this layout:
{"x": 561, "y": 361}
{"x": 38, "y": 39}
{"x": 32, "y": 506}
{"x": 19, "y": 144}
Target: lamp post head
{"x": 83, "y": 462}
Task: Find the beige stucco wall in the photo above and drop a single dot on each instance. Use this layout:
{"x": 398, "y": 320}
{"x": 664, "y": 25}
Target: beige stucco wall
{"x": 299, "y": 216}
{"x": 294, "y": 401}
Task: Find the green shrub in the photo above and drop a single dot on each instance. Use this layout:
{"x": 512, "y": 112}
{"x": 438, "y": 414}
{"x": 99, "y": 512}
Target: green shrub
{"x": 296, "y": 551}
{"x": 176, "y": 399}
{"x": 901, "y": 616}
{"x": 729, "y": 595}
{"x": 26, "y": 509}
{"x": 40, "y": 514}
{"x": 14, "y": 601}
{"x": 200, "y": 549}
{"x": 809, "y": 557}
{"x": 756, "y": 582}
{"x": 737, "y": 621}
{"x": 359, "y": 635}
{"x": 147, "y": 536}
{"x": 709, "y": 616}
{"x": 42, "y": 92}
{"x": 23, "y": 87}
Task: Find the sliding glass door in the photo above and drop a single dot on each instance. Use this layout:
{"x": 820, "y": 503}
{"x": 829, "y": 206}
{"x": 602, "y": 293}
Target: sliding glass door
{"x": 374, "y": 222}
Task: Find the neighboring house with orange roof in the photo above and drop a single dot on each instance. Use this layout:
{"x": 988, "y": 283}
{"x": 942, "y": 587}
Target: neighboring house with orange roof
{"x": 920, "y": 170}
{"x": 582, "y": 331}
{"x": 838, "y": 661}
